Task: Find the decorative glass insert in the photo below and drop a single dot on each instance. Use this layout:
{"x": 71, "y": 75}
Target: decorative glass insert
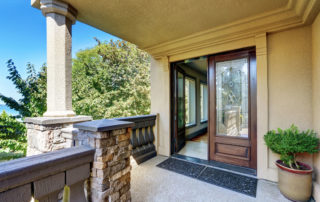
{"x": 232, "y": 97}
{"x": 204, "y": 102}
{"x": 190, "y": 101}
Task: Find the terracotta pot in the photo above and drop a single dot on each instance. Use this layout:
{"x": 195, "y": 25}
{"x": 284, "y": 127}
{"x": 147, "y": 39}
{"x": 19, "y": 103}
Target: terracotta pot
{"x": 295, "y": 184}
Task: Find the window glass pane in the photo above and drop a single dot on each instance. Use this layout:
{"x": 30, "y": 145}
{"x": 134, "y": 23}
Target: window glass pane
{"x": 232, "y": 97}
{"x": 180, "y": 101}
{"x": 204, "y": 102}
{"x": 190, "y": 99}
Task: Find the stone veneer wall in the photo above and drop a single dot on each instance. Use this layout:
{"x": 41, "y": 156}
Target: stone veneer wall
{"x": 110, "y": 173}
{"x": 46, "y": 134}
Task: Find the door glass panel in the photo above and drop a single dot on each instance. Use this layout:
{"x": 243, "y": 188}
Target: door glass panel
{"x": 232, "y": 98}
{"x": 180, "y": 106}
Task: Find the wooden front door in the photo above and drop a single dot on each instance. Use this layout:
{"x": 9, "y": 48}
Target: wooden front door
{"x": 232, "y": 108}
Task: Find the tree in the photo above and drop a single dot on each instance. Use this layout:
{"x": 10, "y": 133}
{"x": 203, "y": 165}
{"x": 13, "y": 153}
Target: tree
{"x": 111, "y": 80}
{"x": 32, "y": 90}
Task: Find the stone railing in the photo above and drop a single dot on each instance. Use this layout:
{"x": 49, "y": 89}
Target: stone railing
{"x": 101, "y": 147}
{"x": 142, "y": 137}
{"x": 45, "y": 176}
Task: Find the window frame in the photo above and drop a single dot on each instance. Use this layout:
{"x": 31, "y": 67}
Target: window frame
{"x": 204, "y": 83}
{"x": 187, "y": 76}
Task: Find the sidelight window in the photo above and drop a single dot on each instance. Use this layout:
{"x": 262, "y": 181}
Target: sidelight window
{"x": 190, "y": 101}
{"x": 204, "y": 102}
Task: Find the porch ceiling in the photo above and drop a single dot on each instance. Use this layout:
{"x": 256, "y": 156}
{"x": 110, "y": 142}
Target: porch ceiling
{"x": 151, "y": 24}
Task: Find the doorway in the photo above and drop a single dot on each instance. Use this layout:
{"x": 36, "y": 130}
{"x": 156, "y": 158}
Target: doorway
{"x": 224, "y": 102}
{"x": 190, "y": 108}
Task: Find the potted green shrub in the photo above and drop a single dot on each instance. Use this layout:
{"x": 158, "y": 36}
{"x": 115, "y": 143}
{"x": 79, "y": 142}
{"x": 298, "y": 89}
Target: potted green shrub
{"x": 295, "y": 178}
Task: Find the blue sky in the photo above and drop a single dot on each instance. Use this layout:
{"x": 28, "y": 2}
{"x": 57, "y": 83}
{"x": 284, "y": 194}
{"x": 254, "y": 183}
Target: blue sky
{"x": 23, "y": 39}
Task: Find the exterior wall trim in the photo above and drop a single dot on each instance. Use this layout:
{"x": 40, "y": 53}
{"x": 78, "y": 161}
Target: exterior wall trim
{"x": 296, "y": 13}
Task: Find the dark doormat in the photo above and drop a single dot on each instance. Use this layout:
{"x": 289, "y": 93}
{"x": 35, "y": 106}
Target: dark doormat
{"x": 236, "y": 182}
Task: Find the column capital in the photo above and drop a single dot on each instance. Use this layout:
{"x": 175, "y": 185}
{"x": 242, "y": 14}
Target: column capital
{"x": 55, "y": 6}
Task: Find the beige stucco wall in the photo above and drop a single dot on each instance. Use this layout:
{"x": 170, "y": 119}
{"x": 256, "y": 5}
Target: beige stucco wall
{"x": 290, "y": 81}
{"x": 316, "y": 97}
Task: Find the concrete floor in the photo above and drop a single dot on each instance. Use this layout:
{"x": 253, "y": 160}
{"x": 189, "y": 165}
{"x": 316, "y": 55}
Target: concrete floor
{"x": 152, "y": 184}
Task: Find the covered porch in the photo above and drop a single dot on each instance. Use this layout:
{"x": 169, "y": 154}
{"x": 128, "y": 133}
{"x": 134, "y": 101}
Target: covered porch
{"x": 279, "y": 38}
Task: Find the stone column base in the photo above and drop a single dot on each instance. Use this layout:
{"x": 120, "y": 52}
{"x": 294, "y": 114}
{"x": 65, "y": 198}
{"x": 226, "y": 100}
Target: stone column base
{"x": 47, "y": 134}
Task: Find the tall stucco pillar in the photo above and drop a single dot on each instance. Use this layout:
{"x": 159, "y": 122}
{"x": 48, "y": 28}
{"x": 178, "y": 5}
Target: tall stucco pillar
{"x": 160, "y": 102}
{"x": 55, "y": 130}
{"x": 59, "y": 17}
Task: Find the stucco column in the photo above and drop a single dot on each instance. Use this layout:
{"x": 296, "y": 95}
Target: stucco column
{"x": 160, "y": 102}
{"x": 60, "y": 17}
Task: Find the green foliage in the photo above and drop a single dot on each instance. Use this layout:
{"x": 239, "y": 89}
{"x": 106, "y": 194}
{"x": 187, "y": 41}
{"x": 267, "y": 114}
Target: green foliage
{"x": 111, "y": 80}
{"x": 6, "y": 156}
{"x": 10, "y": 128}
{"x": 32, "y": 90}
{"x": 13, "y": 141}
{"x": 290, "y": 142}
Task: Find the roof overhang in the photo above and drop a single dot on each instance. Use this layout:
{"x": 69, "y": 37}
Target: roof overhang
{"x": 169, "y": 27}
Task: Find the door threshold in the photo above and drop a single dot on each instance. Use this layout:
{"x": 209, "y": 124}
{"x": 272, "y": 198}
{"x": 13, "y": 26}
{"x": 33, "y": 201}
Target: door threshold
{"x": 219, "y": 165}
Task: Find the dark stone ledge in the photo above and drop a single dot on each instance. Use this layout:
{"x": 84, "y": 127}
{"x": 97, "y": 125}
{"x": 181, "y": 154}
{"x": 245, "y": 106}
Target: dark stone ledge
{"x": 138, "y": 118}
{"x": 29, "y": 169}
{"x": 103, "y": 125}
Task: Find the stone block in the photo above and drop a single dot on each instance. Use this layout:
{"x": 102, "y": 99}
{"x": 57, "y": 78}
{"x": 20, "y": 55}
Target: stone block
{"x": 105, "y": 158}
{"x": 99, "y": 165}
{"x": 102, "y": 135}
{"x": 101, "y": 143}
{"x": 58, "y": 146}
{"x": 126, "y": 196}
{"x": 41, "y": 140}
{"x": 101, "y": 151}
{"x": 29, "y": 125}
{"x": 100, "y": 186}
{"x": 103, "y": 173}
{"x": 97, "y": 195}
{"x": 124, "y": 143}
{"x": 118, "y": 132}
{"x": 32, "y": 151}
{"x": 114, "y": 197}
{"x": 124, "y": 189}
{"x": 93, "y": 172}
{"x": 123, "y": 137}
